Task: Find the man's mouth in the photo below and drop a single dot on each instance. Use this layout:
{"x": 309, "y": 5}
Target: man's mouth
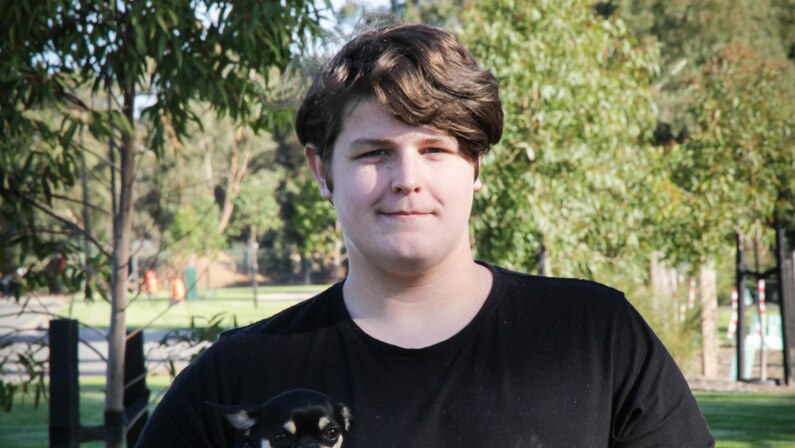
{"x": 406, "y": 214}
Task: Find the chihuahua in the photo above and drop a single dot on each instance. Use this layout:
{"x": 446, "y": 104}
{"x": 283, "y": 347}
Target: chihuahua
{"x": 298, "y": 418}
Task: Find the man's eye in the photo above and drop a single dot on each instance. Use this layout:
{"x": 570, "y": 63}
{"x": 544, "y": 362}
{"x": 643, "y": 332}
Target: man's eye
{"x": 435, "y": 151}
{"x": 374, "y": 153}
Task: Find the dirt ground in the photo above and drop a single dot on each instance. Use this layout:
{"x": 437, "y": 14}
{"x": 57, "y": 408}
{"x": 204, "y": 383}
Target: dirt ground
{"x": 219, "y": 271}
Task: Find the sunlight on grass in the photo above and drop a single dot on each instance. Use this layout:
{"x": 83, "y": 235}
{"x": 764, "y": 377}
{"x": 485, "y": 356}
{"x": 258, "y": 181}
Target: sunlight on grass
{"x": 27, "y": 427}
{"x": 158, "y": 312}
{"x": 749, "y": 420}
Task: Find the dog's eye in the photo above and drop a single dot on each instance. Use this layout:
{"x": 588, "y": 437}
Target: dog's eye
{"x": 281, "y": 437}
{"x": 331, "y": 433}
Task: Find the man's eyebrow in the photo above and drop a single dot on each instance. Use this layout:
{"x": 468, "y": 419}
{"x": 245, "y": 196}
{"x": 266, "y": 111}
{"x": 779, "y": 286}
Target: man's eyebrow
{"x": 372, "y": 142}
{"x": 388, "y": 141}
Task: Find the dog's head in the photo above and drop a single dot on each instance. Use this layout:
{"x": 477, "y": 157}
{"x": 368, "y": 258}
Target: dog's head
{"x": 298, "y": 418}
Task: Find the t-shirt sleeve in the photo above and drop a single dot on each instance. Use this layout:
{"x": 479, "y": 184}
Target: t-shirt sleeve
{"x": 183, "y": 418}
{"x": 652, "y": 403}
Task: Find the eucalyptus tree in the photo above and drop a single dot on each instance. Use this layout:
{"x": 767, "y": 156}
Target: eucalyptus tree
{"x": 736, "y": 169}
{"x": 572, "y": 178}
{"x": 310, "y": 226}
{"x": 724, "y": 96}
{"x": 150, "y": 58}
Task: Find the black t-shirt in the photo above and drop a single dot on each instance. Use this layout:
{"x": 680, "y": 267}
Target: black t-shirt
{"x": 546, "y": 362}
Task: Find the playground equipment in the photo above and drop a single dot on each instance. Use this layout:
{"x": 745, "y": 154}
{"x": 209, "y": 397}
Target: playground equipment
{"x": 774, "y": 333}
{"x": 771, "y": 331}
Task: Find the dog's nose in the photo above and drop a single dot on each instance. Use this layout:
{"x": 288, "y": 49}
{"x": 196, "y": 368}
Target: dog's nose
{"x": 309, "y": 443}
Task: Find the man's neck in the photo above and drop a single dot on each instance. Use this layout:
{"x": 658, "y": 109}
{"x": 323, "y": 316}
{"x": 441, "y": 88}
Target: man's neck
{"x": 417, "y": 310}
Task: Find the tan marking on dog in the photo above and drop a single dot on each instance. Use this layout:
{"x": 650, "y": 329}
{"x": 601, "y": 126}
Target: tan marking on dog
{"x": 338, "y": 444}
{"x": 346, "y": 414}
{"x": 290, "y": 427}
{"x": 322, "y": 423}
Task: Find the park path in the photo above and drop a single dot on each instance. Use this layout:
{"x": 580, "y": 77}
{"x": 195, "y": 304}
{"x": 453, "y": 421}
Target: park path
{"x": 29, "y": 315}
{"x": 27, "y": 321}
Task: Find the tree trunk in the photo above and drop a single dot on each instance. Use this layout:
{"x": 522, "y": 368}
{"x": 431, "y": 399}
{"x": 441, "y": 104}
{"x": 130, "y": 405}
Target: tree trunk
{"x": 253, "y": 248}
{"x": 234, "y": 177}
{"x": 117, "y": 334}
{"x": 709, "y": 320}
{"x": 659, "y": 281}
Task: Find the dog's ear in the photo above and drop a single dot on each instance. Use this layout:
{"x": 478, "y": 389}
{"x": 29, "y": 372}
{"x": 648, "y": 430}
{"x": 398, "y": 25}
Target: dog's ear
{"x": 241, "y": 418}
{"x": 346, "y": 414}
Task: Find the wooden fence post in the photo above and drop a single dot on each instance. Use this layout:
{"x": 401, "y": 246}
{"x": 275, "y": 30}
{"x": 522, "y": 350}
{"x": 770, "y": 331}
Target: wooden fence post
{"x": 65, "y": 428}
{"x": 136, "y": 394}
{"x": 64, "y": 388}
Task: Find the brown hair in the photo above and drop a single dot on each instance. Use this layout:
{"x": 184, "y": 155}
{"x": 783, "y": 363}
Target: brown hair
{"x": 419, "y": 74}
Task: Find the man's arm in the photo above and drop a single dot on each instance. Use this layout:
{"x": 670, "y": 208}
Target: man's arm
{"x": 652, "y": 403}
{"x": 182, "y": 418}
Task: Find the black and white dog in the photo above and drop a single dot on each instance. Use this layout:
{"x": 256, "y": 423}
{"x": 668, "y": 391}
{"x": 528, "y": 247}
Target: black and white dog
{"x": 298, "y": 418}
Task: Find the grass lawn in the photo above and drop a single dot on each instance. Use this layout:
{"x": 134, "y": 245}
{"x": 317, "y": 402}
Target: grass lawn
{"x": 27, "y": 427}
{"x": 736, "y": 420}
{"x": 158, "y": 312}
{"x": 750, "y": 420}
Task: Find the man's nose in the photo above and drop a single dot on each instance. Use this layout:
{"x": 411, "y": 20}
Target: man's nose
{"x": 406, "y": 174}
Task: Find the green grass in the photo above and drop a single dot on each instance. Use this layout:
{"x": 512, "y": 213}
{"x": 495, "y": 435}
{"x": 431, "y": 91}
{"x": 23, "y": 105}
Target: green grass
{"x": 736, "y": 420}
{"x": 27, "y": 426}
{"x": 750, "y": 420}
{"x": 158, "y": 312}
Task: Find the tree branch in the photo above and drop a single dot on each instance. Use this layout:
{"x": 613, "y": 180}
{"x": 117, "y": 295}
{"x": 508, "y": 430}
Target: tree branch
{"x": 80, "y": 202}
{"x": 61, "y": 219}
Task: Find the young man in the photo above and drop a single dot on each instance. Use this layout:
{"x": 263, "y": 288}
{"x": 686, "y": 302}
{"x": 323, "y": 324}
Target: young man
{"x": 428, "y": 347}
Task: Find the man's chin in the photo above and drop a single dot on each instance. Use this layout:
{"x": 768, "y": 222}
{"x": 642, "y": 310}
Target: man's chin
{"x": 406, "y": 262}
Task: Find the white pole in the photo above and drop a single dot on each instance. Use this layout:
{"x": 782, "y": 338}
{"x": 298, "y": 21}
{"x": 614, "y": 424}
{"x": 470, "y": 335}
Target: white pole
{"x": 762, "y": 330}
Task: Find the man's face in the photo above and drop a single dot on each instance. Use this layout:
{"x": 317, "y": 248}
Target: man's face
{"x": 402, "y": 194}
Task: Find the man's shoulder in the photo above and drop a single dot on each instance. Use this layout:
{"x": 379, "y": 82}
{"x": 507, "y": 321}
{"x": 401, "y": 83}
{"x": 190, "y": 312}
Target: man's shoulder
{"x": 323, "y": 310}
{"x": 560, "y": 288}
{"x": 577, "y": 299}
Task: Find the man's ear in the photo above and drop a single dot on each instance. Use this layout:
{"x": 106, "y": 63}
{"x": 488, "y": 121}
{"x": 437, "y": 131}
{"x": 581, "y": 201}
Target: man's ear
{"x": 318, "y": 168}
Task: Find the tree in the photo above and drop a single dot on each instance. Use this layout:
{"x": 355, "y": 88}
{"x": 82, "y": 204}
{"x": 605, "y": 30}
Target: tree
{"x": 208, "y": 173}
{"x": 311, "y": 225}
{"x": 572, "y": 177}
{"x": 690, "y": 33}
{"x": 221, "y": 53}
{"x": 727, "y": 71}
{"x": 724, "y": 119}
{"x": 737, "y": 167}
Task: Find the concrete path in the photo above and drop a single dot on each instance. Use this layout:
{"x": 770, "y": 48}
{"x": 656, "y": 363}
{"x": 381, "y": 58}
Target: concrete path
{"x": 29, "y": 316}
{"x": 27, "y": 322}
